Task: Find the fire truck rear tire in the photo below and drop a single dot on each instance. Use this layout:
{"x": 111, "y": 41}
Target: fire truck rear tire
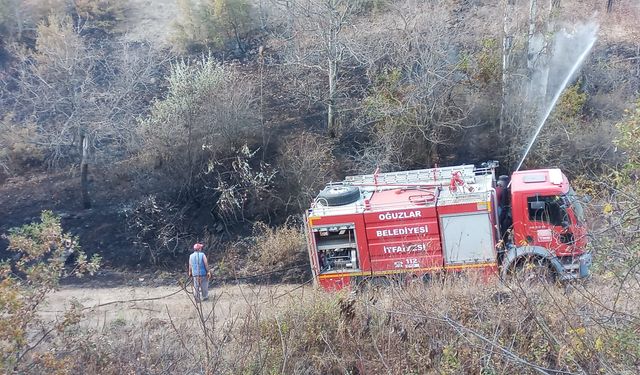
{"x": 339, "y": 195}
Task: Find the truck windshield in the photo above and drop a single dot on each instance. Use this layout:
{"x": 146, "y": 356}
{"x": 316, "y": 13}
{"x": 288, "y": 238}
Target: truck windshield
{"x": 574, "y": 201}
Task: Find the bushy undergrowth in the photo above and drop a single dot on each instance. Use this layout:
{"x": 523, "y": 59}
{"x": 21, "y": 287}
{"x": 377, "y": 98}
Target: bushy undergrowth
{"x": 277, "y": 254}
{"x": 460, "y": 327}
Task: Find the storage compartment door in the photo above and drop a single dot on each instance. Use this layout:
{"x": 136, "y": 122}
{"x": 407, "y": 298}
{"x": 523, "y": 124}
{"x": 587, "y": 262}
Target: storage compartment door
{"x": 468, "y": 238}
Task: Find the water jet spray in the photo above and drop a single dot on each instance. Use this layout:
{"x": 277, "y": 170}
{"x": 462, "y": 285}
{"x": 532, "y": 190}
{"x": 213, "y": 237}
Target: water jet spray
{"x": 590, "y": 40}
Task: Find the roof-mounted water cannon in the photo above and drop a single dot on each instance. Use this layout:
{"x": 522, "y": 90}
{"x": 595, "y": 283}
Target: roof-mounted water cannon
{"x": 490, "y": 164}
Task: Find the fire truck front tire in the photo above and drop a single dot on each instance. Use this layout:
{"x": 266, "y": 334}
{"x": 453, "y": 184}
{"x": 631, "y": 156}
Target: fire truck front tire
{"x": 534, "y": 270}
{"x": 339, "y": 195}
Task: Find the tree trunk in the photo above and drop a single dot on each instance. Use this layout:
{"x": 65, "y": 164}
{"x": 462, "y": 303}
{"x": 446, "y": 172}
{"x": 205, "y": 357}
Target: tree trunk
{"x": 263, "y": 18}
{"x": 333, "y": 58}
{"x": 236, "y": 34}
{"x": 84, "y": 173}
{"x": 333, "y": 67}
{"x": 550, "y": 30}
{"x": 538, "y": 70}
{"x": 638, "y": 61}
{"x": 507, "y": 43}
{"x": 19, "y": 21}
{"x": 533, "y": 7}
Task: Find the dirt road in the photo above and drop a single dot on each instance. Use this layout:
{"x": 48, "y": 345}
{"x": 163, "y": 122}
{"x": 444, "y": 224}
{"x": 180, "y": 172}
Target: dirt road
{"x": 138, "y": 304}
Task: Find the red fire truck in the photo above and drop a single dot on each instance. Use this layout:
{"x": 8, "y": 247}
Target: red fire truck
{"x": 413, "y": 224}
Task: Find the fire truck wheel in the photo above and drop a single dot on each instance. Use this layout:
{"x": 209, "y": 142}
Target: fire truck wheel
{"x": 339, "y": 195}
{"x": 534, "y": 270}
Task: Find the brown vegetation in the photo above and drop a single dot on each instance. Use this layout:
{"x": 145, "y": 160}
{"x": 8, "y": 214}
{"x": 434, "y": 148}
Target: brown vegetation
{"x": 257, "y": 104}
{"x": 458, "y": 327}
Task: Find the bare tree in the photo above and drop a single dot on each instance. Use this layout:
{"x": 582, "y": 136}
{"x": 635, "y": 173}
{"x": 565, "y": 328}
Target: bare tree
{"x": 609, "y": 6}
{"x": 82, "y": 104}
{"x": 319, "y": 40}
{"x": 299, "y": 155}
{"x": 415, "y": 102}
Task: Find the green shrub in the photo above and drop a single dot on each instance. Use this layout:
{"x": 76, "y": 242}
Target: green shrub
{"x": 99, "y": 16}
{"x": 208, "y": 112}
{"x": 488, "y": 69}
{"x": 570, "y": 104}
{"x": 214, "y": 23}
{"x": 629, "y": 139}
{"x": 42, "y": 250}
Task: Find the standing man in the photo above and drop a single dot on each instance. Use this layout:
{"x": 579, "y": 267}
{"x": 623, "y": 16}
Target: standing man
{"x": 199, "y": 269}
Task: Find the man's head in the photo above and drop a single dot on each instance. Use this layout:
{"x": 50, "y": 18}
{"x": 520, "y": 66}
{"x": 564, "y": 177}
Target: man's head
{"x": 198, "y": 246}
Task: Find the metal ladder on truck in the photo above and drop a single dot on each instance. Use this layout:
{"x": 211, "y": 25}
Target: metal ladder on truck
{"x": 420, "y": 177}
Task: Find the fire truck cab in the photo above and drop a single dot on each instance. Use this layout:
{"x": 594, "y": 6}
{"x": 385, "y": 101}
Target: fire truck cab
{"x": 420, "y": 222}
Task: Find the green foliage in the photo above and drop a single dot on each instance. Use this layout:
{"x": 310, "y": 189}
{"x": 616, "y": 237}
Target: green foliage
{"x": 400, "y": 127}
{"x": 387, "y": 89}
{"x": 214, "y": 23}
{"x": 629, "y": 139}
{"x": 305, "y": 328}
{"x": 99, "y": 15}
{"x": 617, "y": 247}
{"x": 234, "y": 18}
{"x": 449, "y": 329}
{"x": 188, "y": 28}
{"x": 449, "y": 361}
{"x": 569, "y": 129}
{"x": 43, "y": 249}
{"x": 571, "y": 104}
{"x": 488, "y": 65}
{"x": 386, "y": 96}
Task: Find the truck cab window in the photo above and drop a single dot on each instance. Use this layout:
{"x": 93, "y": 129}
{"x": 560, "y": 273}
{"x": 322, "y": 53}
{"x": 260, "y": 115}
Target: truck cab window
{"x": 547, "y": 209}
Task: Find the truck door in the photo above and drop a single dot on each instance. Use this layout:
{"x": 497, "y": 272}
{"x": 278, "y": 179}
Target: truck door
{"x": 548, "y": 223}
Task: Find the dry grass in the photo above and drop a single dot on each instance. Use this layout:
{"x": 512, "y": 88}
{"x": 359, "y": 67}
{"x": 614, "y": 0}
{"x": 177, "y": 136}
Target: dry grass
{"x": 269, "y": 254}
{"x": 276, "y": 247}
{"x": 460, "y": 326}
